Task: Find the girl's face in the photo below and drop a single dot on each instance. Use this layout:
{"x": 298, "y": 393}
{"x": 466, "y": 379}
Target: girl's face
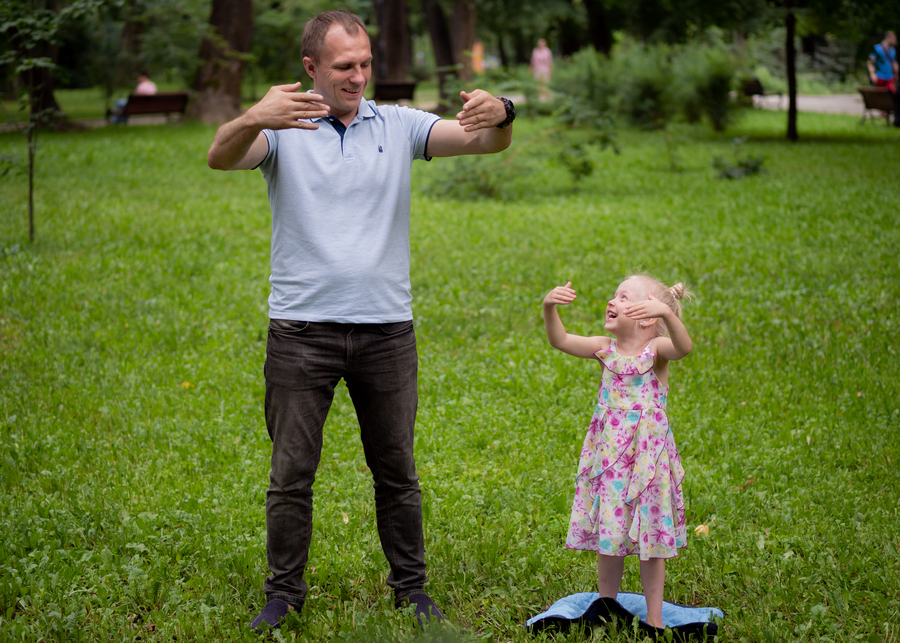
{"x": 627, "y": 294}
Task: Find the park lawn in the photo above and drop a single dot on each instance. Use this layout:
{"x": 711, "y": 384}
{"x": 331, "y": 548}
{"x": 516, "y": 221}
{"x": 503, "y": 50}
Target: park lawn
{"x": 78, "y": 104}
{"x": 134, "y": 456}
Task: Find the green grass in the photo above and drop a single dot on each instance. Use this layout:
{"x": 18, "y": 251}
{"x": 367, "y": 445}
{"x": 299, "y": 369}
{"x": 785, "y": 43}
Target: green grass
{"x": 134, "y": 456}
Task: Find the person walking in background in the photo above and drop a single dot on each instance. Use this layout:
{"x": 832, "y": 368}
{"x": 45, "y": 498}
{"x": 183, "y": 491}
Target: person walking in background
{"x": 542, "y": 67}
{"x": 338, "y": 168}
{"x": 628, "y": 498}
{"x": 883, "y": 69}
{"x": 882, "y": 63}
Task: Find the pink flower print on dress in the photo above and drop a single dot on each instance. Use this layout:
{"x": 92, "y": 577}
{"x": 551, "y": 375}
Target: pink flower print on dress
{"x": 630, "y": 465}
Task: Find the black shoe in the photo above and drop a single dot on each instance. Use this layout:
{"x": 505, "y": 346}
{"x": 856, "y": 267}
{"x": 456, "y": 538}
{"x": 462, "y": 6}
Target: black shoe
{"x": 423, "y": 607}
{"x": 271, "y": 616}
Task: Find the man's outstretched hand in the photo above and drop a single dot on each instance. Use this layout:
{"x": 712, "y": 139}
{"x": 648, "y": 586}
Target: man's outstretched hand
{"x": 283, "y": 105}
{"x": 480, "y": 111}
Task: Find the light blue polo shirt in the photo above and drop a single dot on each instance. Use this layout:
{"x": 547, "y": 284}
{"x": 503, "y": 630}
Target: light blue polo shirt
{"x": 340, "y": 216}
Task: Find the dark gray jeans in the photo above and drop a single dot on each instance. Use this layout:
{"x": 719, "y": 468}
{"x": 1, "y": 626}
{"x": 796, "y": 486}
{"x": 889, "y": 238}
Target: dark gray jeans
{"x": 304, "y": 363}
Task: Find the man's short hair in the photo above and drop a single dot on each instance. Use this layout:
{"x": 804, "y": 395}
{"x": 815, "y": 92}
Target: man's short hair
{"x": 313, "y": 39}
{"x": 888, "y": 34}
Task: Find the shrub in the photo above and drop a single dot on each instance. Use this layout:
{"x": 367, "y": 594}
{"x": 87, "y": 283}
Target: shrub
{"x": 648, "y": 98}
{"x": 589, "y": 78}
{"x": 652, "y": 85}
{"x": 704, "y": 75}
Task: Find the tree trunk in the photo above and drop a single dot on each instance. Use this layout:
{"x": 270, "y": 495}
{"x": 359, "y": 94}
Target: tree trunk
{"x": 440, "y": 43}
{"x": 40, "y": 89}
{"x": 392, "y": 47}
{"x": 598, "y": 26}
{"x": 571, "y": 36}
{"x": 130, "y": 49}
{"x": 791, "y": 77}
{"x": 462, "y": 35}
{"x": 39, "y": 80}
{"x": 521, "y": 47}
{"x": 504, "y": 58}
{"x": 32, "y": 146}
{"x": 222, "y": 59}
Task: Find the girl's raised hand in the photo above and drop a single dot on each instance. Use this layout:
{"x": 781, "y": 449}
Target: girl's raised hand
{"x": 561, "y": 295}
{"x": 650, "y": 308}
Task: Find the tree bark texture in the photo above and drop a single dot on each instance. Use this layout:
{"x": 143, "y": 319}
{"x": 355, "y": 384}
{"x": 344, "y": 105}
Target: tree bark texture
{"x": 791, "y": 54}
{"x": 222, "y": 58}
{"x": 40, "y": 81}
{"x": 521, "y": 47}
{"x": 598, "y": 26}
{"x": 570, "y": 35}
{"x": 392, "y": 47}
{"x": 462, "y": 35}
{"x": 441, "y": 44}
{"x": 131, "y": 49}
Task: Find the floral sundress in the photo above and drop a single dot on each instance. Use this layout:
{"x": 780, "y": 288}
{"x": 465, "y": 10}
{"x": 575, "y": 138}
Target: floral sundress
{"x": 628, "y": 497}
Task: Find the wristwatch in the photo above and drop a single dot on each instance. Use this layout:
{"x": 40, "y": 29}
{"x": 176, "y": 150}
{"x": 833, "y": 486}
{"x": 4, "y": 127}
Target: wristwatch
{"x": 510, "y": 112}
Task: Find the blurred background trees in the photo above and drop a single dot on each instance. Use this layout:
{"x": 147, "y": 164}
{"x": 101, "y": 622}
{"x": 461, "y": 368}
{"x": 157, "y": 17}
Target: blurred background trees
{"x": 647, "y": 54}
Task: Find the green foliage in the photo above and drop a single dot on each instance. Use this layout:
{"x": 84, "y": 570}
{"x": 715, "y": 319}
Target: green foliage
{"x": 648, "y": 95}
{"x": 588, "y": 77}
{"x": 653, "y": 85}
{"x": 134, "y": 457}
{"x": 704, "y": 77}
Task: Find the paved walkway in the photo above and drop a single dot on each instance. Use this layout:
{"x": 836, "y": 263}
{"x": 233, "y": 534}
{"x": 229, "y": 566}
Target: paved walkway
{"x": 833, "y": 104}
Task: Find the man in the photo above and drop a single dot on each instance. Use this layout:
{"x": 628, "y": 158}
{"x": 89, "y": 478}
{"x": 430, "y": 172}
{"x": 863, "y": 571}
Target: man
{"x": 338, "y": 174}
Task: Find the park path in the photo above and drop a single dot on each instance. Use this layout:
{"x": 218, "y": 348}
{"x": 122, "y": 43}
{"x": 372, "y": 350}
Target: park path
{"x": 833, "y": 104}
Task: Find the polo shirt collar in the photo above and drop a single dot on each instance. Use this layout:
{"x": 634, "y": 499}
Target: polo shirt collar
{"x": 365, "y": 111}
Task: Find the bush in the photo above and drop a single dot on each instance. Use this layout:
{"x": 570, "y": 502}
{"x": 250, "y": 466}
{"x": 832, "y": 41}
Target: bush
{"x": 589, "y": 77}
{"x": 704, "y": 75}
{"x": 648, "y": 98}
{"x": 651, "y": 85}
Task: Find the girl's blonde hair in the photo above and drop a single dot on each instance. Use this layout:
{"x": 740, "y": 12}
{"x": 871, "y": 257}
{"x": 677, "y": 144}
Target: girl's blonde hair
{"x": 669, "y": 295}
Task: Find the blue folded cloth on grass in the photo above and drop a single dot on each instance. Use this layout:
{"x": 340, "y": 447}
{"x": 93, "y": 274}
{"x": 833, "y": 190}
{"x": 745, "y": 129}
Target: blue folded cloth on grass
{"x": 588, "y": 609}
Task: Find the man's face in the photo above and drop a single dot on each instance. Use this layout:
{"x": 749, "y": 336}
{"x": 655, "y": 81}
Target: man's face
{"x": 343, "y": 70}
{"x": 891, "y": 40}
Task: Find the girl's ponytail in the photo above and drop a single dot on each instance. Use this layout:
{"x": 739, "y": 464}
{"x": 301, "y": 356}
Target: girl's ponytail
{"x": 680, "y": 292}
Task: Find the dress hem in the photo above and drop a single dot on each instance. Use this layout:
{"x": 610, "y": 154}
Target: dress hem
{"x": 675, "y": 555}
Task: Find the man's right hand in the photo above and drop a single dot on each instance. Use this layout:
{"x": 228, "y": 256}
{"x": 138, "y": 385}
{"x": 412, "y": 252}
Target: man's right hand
{"x": 283, "y": 105}
{"x": 241, "y": 144}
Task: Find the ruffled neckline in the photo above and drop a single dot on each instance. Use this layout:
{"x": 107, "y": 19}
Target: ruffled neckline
{"x": 626, "y": 364}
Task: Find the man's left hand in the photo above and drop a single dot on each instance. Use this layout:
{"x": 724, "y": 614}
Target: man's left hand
{"x": 480, "y": 111}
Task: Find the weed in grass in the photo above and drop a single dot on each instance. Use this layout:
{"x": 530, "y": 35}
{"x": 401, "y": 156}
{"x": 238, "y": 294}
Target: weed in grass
{"x": 742, "y": 166}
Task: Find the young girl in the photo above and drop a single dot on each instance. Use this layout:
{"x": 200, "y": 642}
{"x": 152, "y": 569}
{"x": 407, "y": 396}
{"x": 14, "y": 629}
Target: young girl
{"x": 628, "y": 496}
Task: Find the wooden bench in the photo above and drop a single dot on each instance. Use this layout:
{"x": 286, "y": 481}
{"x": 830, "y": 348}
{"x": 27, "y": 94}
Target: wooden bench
{"x": 167, "y": 103}
{"x": 877, "y": 98}
{"x": 752, "y": 87}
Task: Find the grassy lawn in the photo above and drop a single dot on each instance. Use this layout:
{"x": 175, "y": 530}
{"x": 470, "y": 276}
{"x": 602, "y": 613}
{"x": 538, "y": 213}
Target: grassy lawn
{"x": 134, "y": 456}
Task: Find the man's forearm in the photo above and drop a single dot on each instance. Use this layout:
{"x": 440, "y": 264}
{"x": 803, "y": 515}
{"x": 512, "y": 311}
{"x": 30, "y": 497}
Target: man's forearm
{"x": 231, "y": 143}
{"x": 495, "y": 139}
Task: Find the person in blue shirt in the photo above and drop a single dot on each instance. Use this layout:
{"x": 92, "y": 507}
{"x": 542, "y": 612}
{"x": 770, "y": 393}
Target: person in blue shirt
{"x": 883, "y": 62}
{"x": 337, "y": 169}
{"x": 883, "y": 69}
